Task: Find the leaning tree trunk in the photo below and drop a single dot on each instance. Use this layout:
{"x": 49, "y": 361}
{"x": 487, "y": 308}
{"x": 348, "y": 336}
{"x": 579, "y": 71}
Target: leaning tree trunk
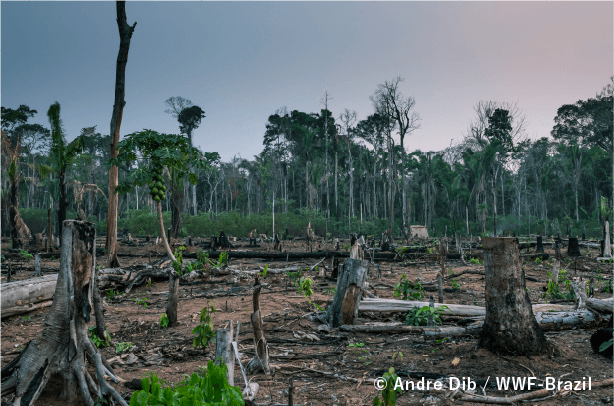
{"x": 125, "y": 34}
{"x": 167, "y": 247}
{"x": 62, "y": 347}
{"x": 509, "y": 325}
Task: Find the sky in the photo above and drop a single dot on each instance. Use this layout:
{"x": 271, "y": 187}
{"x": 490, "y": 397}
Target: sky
{"x": 241, "y": 61}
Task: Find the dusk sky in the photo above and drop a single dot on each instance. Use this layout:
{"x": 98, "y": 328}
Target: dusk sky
{"x": 241, "y": 61}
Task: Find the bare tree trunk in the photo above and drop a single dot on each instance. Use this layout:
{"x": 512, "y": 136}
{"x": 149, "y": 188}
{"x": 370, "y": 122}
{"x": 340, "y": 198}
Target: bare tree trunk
{"x": 125, "y": 34}
{"x": 167, "y": 247}
{"x": 173, "y": 298}
{"x": 62, "y": 347}
{"x": 510, "y": 326}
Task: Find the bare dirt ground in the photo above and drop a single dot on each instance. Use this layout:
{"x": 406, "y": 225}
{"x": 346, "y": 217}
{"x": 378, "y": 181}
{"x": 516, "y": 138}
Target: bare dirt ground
{"x": 169, "y": 352}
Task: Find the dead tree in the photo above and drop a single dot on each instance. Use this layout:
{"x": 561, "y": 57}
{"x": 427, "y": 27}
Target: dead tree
{"x": 64, "y": 343}
{"x": 260, "y": 362}
{"x": 350, "y": 285}
{"x": 509, "y": 326}
{"x": 573, "y": 248}
{"x": 277, "y": 246}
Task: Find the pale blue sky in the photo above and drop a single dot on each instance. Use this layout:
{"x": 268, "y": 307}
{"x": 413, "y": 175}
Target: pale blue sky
{"x": 242, "y": 61}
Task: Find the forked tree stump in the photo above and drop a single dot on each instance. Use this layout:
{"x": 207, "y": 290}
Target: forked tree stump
{"x": 573, "y": 249}
{"x": 509, "y": 326}
{"x": 62, "y": 347}
{"x": 350, "y": 285}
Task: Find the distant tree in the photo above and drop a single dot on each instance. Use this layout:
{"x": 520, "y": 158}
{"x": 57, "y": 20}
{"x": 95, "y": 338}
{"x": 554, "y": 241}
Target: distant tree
{"x": 176, "y": 105}
{"x": 20, "y": 234}
{"x": 399, "y": 109}
{"x": 34, "y": 138}
{"x": 12, "y": 118}
{"x": 190, "y": 118}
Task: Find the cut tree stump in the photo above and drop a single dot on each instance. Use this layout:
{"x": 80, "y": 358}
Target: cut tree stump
{"x": 350, "y": 285}
{"x": 573, "y": 249}
{"x": 224, "y": 352}
{"x": 540, "y": 244}
{"x": 509, "y": 326}
{"x": 62, "y": 347}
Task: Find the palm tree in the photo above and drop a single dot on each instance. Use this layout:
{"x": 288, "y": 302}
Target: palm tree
{"x": 62, "y": 154}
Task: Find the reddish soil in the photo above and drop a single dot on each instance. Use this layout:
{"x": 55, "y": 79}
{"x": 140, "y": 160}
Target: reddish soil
{"x": 169, "y": 353}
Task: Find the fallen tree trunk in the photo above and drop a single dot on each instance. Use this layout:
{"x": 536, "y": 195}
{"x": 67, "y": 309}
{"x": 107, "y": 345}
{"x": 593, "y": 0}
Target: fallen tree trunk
{"x": 18, "y": 297}
{"x": 547, "y": 321}
{"x": 396, "y": 305}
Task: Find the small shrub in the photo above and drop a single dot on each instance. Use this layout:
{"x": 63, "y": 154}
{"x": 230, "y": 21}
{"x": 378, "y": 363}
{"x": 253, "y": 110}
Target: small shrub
{"x": 204, "y": 331}
{"x": 121, "y": 347}
{"x": 26, "y": 255}
{"x": 163, "y": 320}
{"x": 455, "y": 285}
{"x": 98, "y": 342}
{"x": 388, "y": 394}
{"x": 178, "y": 263}
{"x": 141, "y": 302}
{"x": 409, "y": 290}
{"x": 210, "y": 388}
{"x": 111, "y": 294}
{"x": 419, "y": 316}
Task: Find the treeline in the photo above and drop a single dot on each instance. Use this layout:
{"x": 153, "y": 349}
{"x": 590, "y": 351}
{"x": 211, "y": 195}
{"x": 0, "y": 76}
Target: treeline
{"x": 339, "y": 173}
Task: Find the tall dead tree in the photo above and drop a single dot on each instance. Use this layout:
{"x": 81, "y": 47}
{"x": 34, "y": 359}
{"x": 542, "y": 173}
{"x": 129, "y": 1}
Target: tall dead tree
{"x": 62, "y": 347}
{"x": 509, "y": 326}
{"x": 125, "y": 34}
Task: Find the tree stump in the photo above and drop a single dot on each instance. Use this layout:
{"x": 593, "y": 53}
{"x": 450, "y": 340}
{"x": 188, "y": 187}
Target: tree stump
{"x": 540, "y": 244}
{"x": 573, "y": 249}
{"x": 350, "y": 285}
{"x": 224, "y": 352}
{"x": 443, "y": 251}
{"x": 173, "y": 298}
{"x": 62, "y": 347}
{"x": 509, "y": 326}
{"x": 607, "y": 246}
{"x": 335, "y": 273}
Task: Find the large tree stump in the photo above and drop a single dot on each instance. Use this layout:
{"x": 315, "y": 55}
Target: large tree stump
{"x": 573, "y": 249}
{"x": 350, "y": 285}
{"x": 62, "y": 347}
{"x": 224, "y": 351}
{"x": 509, "y": 326}
{"x": 540, "y": 244}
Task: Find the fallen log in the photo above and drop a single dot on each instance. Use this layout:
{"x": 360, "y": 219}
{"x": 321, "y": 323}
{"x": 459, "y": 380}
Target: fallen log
{"x": 19, "y": 297}
{"x": 396, "y": 305}
{"x": 547, "y": 321}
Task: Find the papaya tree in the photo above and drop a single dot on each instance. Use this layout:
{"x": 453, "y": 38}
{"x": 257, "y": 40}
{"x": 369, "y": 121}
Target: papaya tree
{"x": 162, "y": 154}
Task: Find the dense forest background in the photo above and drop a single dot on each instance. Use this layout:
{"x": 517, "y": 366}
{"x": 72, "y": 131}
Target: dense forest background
{"x": 338, "y": 173}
